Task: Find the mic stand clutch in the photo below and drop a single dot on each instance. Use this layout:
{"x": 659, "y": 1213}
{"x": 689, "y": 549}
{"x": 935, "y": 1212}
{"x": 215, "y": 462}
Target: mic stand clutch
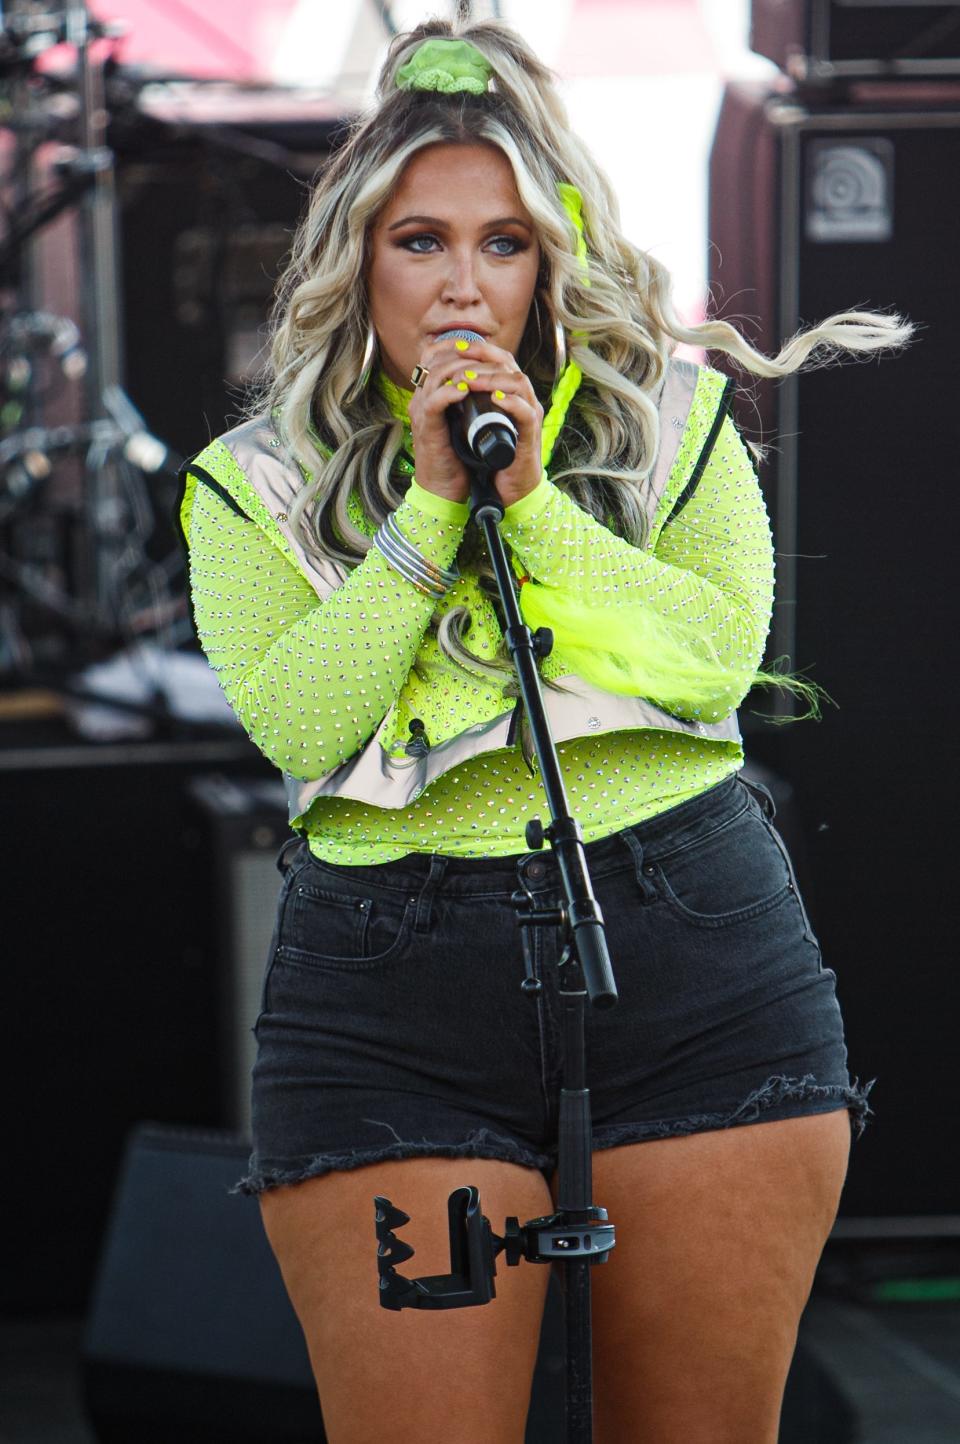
{"x": 578, "y": 1233}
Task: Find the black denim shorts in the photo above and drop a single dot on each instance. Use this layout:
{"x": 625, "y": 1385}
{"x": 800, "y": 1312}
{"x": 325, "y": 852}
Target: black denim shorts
{"x": 393, "y": 1022}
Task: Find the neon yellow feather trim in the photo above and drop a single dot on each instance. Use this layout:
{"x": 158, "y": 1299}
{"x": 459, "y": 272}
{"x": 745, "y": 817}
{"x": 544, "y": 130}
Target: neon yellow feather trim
{"x": 628, "y": 649}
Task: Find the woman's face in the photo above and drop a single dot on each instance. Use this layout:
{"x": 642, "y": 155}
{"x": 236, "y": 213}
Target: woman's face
{"x": 454, "y": 246}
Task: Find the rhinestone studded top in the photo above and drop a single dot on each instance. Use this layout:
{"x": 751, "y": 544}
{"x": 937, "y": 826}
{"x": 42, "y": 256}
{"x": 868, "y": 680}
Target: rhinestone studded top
{"x": 311, "y": 680}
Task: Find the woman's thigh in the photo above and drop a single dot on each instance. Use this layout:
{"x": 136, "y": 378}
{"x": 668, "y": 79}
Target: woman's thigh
{"x": 696, "y": 1311}
{"x": 413, "y": 1377}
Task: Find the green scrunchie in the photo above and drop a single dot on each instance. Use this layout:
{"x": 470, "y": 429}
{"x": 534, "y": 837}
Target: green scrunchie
{"x": 445, "y": 65}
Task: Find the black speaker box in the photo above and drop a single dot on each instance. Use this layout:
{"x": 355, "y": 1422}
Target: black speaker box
{"x": 824, "y": 40}
{"x": 112, "y": 992}
{"x": 211, "y": 182}
{"x": 242, "y": 824}
{"x": 190, "y": 1335}
{"x": 815, "y": 211}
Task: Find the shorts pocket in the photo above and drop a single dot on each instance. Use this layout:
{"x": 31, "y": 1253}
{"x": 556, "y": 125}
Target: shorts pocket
{"x": 289, "y": 878}
{"x": 793, "y": 886}
{"x": 342, "y": 928}
{"x": 734, "y": 873}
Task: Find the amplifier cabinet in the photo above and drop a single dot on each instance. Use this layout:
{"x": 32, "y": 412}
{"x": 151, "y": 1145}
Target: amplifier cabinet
{"x": 820, "y": 41}
{"x": 815, "y": 211}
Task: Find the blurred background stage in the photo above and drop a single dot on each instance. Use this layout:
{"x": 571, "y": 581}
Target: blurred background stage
{"x": 155, "y": 157}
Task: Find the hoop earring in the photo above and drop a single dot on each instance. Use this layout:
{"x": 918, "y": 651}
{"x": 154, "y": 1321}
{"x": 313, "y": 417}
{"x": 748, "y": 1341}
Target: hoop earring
{"x": 559, "y": 341}
{"x": 366, "y": 365}
{"x": 560, "y": 348}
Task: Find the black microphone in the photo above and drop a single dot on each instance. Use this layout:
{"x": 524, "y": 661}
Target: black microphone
{"x": 481, "y": 433}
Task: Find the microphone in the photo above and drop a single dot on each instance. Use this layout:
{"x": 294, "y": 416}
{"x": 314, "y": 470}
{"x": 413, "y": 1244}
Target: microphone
{"x": 481, "y": 433}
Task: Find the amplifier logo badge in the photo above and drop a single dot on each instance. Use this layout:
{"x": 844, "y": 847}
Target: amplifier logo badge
{"x": 850, "y": 190}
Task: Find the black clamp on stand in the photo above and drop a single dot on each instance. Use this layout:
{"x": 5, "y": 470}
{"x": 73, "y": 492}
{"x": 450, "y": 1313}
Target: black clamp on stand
{"x": 578, "y": 1233}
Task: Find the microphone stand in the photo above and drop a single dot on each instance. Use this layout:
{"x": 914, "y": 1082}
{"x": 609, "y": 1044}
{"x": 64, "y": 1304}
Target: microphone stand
{"x": 577, "y": 1233}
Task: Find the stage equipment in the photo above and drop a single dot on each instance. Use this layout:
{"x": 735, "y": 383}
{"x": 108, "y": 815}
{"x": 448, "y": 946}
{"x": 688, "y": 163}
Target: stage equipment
{"x": 190, "y": 1334}
{"x": 818, "y": 42}
{"x": 143, "y": 227}
{"x": 244, "y": 821}
{"x": 578, "y": 1234}
{"x": 112, "y": 879}
{"x": 211, "y": 182}
{"x": 818, "y": 208}
{"x": 80, "y": 566}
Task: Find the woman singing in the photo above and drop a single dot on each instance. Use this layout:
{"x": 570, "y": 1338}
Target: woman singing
{"x": 352, "y": 618}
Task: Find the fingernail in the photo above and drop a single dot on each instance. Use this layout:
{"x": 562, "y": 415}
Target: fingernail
{"x": 470, "y": 375}
{"x": 462, "y": 345}
{"x": 499, "y": 395}
{"x": 462, "y": 386}
{"x": 449, "y": 381}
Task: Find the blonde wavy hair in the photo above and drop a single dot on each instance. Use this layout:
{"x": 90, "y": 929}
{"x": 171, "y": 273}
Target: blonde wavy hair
{"x": 621, "y": 328}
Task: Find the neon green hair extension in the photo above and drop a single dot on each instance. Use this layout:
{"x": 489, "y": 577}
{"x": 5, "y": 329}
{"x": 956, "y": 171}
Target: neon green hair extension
{"x": 572, "y": 202}
{"x": 569, "y": 383}
{"x": 563, "y": 394}
{"x": 631, "y": 650}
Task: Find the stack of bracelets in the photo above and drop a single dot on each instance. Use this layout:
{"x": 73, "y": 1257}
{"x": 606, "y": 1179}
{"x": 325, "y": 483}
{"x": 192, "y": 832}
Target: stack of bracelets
{"x": 426, "y": 576}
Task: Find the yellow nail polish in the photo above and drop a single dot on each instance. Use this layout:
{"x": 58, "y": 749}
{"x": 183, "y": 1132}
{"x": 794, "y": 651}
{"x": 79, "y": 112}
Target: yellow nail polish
{"x": 462, "y": 345}
{"x": 462, "y": 386}
{"x": 470, "y": 375}
{"x": 499, "y": 395}
{"x": 449, "y": 381}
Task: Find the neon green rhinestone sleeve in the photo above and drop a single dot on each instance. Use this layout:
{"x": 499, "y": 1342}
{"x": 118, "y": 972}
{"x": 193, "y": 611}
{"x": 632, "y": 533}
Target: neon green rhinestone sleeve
{"x": 310, "y": 680}
{"x": 710, "y": 572}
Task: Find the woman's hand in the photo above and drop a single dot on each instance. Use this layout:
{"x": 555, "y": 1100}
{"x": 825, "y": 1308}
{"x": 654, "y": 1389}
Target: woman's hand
{"x": 456, "y": 368}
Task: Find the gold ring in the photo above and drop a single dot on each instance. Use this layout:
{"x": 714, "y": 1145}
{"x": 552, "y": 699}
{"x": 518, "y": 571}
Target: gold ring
{"x": 418, "y": 375}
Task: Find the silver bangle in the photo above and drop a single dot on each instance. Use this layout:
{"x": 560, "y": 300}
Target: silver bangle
{"x": 399, "y": 564}
{"x": 426, "y": 576}
{"x": 444, "y": 574}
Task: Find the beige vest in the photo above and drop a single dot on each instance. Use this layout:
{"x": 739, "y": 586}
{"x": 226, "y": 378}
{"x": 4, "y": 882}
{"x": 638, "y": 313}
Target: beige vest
{"x": 372, "y": 775}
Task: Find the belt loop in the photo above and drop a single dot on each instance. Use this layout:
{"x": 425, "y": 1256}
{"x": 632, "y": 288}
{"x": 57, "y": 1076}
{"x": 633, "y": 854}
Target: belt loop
{"x": 647, "y": 889}
{"x": 424, "y": 913}
{"x": 633, "y": 842}
{"x": 288, "y": 850}
{"x": 761, "y": 792}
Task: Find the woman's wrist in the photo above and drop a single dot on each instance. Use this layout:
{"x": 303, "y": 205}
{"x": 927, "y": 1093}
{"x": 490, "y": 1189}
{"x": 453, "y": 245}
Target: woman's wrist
{"x": 435, "y": 504}
{"x": 423, "y": 573}
{"x": 528, "y": 503}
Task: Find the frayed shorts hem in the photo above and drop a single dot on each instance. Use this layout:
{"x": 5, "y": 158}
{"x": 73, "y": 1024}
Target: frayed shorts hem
{"x": 779, "y": 1098}
{"x": 482, "y": 1144}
